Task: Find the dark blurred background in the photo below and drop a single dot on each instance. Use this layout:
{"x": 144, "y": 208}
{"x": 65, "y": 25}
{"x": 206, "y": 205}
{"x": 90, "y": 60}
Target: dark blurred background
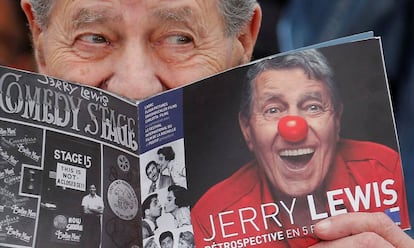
{"x": 15, "y": 46}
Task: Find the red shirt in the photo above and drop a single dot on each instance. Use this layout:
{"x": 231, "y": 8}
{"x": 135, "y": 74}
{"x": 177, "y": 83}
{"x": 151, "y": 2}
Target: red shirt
{"x": 244, "y": 212}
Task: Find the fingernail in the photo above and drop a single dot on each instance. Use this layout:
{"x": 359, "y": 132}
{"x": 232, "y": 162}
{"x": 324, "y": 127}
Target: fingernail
{"x": 324, "y": 225}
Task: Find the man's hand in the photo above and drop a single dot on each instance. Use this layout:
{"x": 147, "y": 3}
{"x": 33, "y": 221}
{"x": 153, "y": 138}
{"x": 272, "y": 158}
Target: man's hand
{"x": 361, "y": 230}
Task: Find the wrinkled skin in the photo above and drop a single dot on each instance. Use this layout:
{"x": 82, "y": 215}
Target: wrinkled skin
{"x": 137, "y": 48}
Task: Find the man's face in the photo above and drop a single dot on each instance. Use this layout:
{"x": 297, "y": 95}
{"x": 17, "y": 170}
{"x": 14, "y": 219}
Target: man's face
{"x": 92, "y": 189}
{"x": 295, "y": 168}
{"x": 155, "y": 208}
{"x": 152, "y": 173}
{"x": 168, "y": 242}
{"x": 137, "y": 48}
{"x": 170, "y": 203}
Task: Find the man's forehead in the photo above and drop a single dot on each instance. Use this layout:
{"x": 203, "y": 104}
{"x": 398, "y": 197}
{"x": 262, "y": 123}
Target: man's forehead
{"x": 95, "y": 10}
{"x": 276, "y": 78}
{"x": 84, "y": 16}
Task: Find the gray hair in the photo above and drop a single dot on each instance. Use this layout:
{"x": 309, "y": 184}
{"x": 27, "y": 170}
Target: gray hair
{"x": 41, "y": 10}
{"x": 236, "y": 13}
{"x": 311, "y": 61}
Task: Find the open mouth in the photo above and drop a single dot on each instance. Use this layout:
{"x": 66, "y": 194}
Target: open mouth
{"x": 297, "y": 159}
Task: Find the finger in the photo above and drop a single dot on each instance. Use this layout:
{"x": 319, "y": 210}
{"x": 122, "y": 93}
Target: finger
{"x": 355, "y": 223}
{"x": 365, "y": 240}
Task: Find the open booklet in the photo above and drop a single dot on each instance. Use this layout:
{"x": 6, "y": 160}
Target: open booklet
{"x": 215, "y": 163}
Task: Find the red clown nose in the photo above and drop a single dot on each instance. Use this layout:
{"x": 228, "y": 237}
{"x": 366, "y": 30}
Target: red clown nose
{"x": 292, "y": 128}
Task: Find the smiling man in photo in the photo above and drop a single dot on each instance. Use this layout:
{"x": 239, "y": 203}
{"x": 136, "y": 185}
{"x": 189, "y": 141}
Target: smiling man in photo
{"x": 290, "y": 117}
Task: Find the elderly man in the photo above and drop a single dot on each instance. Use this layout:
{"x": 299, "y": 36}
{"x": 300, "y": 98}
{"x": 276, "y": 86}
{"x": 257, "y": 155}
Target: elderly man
{"x": 137, "y": 48}
{"x": 290, "y": 115}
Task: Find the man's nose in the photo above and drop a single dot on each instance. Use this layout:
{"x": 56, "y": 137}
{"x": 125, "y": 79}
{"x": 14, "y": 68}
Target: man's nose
{"x": 293, "y": 128}
{"x": 134, "y": 73}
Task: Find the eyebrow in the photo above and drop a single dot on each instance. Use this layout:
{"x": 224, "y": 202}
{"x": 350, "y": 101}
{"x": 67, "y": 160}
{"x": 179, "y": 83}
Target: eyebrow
{"x": 84, "y": 17}
{"x": 183, "y": 14}
{"x": 314, "y": 95}
{"x": 268, "y": 97}
{"x": 271, "y": 97}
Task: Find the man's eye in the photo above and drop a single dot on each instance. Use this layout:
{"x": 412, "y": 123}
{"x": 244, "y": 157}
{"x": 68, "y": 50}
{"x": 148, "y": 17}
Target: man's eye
{"x": 272, "y": 113}
{"x": 314, "y": 108}
{"x": 272, "y": 110}
{"x": 178, "y": 39}
{"x": 94, "y": 38}
{"x": 173, "y": 47}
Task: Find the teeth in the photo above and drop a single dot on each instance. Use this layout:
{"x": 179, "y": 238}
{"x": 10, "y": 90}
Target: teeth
{"x": 297, "y": 152}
